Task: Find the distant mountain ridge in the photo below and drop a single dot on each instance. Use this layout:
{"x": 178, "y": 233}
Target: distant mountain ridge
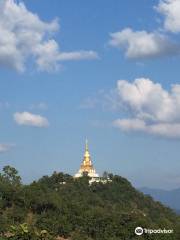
{"x": 170, "y": 198}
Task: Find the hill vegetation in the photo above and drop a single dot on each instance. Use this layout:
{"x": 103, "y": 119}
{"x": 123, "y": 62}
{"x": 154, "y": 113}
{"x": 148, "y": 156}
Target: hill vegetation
{"x": 67, "y": 208}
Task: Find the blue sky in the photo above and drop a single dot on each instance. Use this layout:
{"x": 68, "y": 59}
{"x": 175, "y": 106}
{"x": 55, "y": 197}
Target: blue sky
{"x": 105, "y": 70}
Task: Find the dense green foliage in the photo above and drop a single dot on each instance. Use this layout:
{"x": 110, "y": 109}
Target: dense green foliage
{"x": 71, "y": 208}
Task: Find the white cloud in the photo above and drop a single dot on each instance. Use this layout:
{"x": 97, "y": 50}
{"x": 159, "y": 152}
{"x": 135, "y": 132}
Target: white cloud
{"x": 157, "y": 43}
{"x": 130, "y": 124}
{"x": 154, "y": 110}
{"x": 5, "y": 147}
{"x": 161, "y": 129}
{"x": 49, "y": 56}
{"x": 29, "y": 119}
{"x": 142, "y": 44}
{"x": 24, "y": 35}
{"x": 170, "y": 9}
{"x": 65, "y": 56}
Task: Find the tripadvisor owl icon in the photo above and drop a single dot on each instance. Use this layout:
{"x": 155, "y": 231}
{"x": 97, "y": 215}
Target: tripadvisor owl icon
{"x": 139, "y": 231}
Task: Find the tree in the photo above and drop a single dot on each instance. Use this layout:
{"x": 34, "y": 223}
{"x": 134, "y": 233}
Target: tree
{"x": 10, "y": 175}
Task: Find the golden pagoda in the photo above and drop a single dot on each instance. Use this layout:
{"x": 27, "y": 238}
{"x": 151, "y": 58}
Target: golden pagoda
{"x": 87, "y": 166}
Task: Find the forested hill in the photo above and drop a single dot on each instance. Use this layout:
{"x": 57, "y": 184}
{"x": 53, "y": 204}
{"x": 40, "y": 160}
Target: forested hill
{"x": 59, "y": 205}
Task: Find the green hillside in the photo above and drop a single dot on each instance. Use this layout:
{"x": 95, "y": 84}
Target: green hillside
{"x": 58, "y": 205}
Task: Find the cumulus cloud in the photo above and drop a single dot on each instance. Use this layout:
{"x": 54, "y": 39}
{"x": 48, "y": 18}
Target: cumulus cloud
{"x": 170, "y": 9}
{"x": 154, "y": 110}
{"x": 157, "y": 43}
{"x": 29, "y": 119}
{"x": 161, "y": 129}
{"x": 25, "y": 36}
{"x": 5, "y": 147}
{"x": 142, "y": 44}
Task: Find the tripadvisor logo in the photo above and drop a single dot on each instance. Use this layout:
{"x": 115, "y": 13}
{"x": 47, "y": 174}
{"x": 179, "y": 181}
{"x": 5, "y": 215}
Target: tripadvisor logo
{"x": 139, "y": 231}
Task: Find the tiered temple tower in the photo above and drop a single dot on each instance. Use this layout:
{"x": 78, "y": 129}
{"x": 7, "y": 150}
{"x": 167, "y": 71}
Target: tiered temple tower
{"x": 87, "y": 166}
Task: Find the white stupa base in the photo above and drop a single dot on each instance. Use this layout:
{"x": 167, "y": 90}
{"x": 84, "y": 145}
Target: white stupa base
{"x": 91, "y": 175}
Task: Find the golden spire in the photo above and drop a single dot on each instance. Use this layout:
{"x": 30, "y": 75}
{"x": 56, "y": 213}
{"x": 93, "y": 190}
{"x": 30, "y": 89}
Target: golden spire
{"x": 87, "y": 165}
{"x": 87, "y": 145}
{"x": 86, "y": 154}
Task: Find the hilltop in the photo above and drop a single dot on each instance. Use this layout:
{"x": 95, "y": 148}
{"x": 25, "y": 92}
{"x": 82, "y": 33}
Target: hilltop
{"x": 73, "y": 209}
